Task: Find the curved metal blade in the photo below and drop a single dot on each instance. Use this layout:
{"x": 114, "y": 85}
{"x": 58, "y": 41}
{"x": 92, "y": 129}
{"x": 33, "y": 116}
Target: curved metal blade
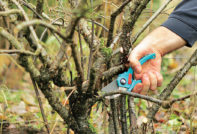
{"x": 111, "y": 87}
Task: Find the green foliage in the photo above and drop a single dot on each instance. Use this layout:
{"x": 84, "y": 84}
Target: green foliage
{"x": 106, "y": 52}
{"x": 90, "y": 121}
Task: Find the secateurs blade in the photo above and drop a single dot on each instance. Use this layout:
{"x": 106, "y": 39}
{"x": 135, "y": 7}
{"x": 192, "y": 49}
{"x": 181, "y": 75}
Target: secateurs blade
{"x": 126, "y": 81}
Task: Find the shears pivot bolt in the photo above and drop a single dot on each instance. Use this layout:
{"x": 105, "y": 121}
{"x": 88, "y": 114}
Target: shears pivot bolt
{"x": 123, "y": 81}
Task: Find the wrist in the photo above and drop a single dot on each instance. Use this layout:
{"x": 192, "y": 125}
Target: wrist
{"x": 163, "y": 41}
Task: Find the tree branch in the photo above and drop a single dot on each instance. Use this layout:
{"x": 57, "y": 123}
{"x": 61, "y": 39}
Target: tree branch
{"x": 113, "y": 71}
{"x": 11, "y": 39}
{"x": 114, "y": 111}
{"x": 40, "y": 104}
{"x": 101, "y": 25}
{"x": 174, "y": 82}
{"x": 9, "y": 12}
{"x": 33, "y": 9}
{"x": 77, "y": 65}
{"x": 123, "y": 113}
{"x": 153, "y": 17}
{"x": 17, "y": 52}
{"x": 86, "y": 31}
{"x": 42, "y": 23}
{"x": 129, "y": 23}
{"x": 27, "y": 63}
{"x": 135, "y": 95}
{"x": 39, "y": 6}
{"x": 113, "y": 20}
{"x": 182, "y": 98}
{"x": 39, "y": 47}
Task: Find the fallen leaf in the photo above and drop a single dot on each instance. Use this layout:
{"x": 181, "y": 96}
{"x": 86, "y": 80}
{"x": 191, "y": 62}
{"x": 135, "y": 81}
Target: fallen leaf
{"x": 28, "y": 99}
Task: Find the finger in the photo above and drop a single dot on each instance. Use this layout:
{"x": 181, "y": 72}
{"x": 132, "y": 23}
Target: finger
{"x": 159, "y": 79}
{"x": 138, "y": 76}
{"x": 146, "y": 84}
{"x": 138, "y": 88}
{"x": 153, "y": 81}
{"x": 134, "y": 62}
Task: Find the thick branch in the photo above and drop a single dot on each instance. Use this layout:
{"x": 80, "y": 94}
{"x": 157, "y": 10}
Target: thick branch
{"x": 113, "y": 20}
{"x": 9, "y": 12}
{"x": 123, "y": 113}
{"x": 42, "y": 23}
{"x": 10, "y": 38}
{"x": 39, "y": 6}
{"x": 114, "y": 111}
{"x": 129, "y": 23}
{"x": 113, "y": 71}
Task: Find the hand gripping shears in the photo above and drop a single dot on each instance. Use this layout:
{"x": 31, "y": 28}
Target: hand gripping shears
{"x": 126, "y": 81}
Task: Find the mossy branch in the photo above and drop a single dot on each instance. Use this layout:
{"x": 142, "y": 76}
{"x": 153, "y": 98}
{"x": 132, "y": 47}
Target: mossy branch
{"x": 9, "y": 12}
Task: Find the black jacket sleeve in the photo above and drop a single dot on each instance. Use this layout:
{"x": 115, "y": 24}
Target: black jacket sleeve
{"x": 183, "y": 21}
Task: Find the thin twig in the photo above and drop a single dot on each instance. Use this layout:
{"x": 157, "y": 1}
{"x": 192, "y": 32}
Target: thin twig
{"x": 173, "y": 83}
{"x": 17, "y": 52}
{"x": 81, "y": 48}
{"x": 153, "y": 17}
{"x": 86, "y": 32}
{"x": 182, "y": 98}
{"x": 40, "y": 104}
{"x": 29, "y": 6}
{"x": 43, "y": 16}
{"x": 91, "y": 46}
{"x": 101, "y": 25}
{"x": 44, "y": 32}
{"x": 135, "y": 95}
{"x": 57, "y": 119}
{"x": 77, "y": 63}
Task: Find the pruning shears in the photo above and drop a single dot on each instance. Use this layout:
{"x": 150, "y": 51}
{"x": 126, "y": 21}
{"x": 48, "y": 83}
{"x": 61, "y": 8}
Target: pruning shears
{"x": 126, "y": 81}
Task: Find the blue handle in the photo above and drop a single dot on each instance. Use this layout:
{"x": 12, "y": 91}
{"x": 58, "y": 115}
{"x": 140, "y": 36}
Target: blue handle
{"x": 147, "y": 57}
{"x": 122, "y": 79}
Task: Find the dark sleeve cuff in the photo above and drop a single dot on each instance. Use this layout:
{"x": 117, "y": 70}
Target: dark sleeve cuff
{"x": 185, "y": 31}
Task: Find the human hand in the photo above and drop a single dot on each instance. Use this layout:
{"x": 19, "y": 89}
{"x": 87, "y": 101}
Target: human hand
{"x": 149, "y": 72}
{"x": 161, "y": 41}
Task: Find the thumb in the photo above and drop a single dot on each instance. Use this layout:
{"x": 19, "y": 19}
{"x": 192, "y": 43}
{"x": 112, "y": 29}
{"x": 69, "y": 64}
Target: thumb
{"x": 134, "y": 62}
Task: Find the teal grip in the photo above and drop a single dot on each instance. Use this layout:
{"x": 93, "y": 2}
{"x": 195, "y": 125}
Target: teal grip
{"x": 122, "y": 80}
{"x": 147, "y": 57}
{"x": 135, "y": 82}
